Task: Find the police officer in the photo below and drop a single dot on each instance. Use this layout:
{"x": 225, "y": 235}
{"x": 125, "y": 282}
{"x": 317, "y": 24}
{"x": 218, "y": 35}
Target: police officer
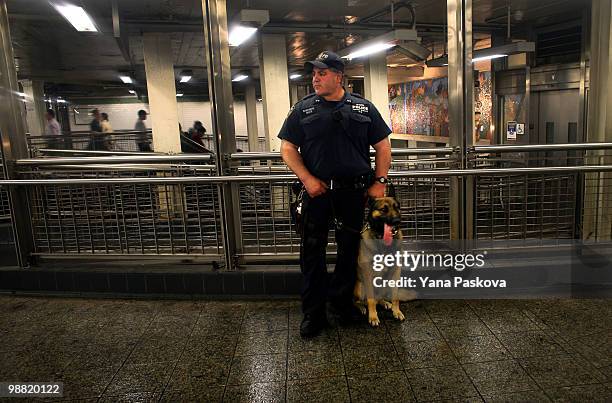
{"x": 326, "y": 141}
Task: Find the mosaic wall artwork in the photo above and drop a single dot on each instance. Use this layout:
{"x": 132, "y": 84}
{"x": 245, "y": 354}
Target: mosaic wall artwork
{"x": 421, "y": 107}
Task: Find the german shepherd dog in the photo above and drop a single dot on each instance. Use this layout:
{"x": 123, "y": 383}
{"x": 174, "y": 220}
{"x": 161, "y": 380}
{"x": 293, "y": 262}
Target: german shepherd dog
{"x": 381, "y": 235}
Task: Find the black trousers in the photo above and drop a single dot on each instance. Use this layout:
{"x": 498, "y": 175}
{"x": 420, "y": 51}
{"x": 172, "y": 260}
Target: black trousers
{"x": 318, "y": 214}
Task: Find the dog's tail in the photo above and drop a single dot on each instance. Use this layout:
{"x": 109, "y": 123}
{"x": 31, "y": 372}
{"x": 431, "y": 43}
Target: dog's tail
{"x": 406, "y": 295}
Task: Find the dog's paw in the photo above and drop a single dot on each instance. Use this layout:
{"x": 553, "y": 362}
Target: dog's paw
{"x": 397, "y": 314}
{"x": 386, "y": 304}
{"x": 374, "y": 321}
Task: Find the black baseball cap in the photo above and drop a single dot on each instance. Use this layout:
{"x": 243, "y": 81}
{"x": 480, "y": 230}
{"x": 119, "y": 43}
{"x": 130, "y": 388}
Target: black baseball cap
{"x": 325, "y": 60}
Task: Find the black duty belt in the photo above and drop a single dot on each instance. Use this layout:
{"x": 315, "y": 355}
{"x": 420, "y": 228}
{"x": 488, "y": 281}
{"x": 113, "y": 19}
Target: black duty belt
{"x": 355, "y": 183}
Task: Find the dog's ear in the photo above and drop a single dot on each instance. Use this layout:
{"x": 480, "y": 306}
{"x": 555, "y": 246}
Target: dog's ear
{"x": 390, "y": 190}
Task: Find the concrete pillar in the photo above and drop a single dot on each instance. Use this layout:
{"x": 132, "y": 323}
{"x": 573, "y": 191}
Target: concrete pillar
{"x": 14, "y": 146}
{"x": 35, "y": 106}
{"x": 161, "y": 89}
{"x": 597, "y": 223}
{"x": 274, "y": 86}
{"x": 375, "y": 84}
{"x": 250, "y": 101}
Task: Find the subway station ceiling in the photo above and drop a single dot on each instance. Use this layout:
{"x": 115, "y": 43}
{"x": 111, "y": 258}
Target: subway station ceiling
{"x": 48, "y": 48}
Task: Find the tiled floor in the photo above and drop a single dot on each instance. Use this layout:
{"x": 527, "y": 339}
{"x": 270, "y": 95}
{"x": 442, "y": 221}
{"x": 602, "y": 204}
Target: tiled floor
{"x": 172, "y": 351}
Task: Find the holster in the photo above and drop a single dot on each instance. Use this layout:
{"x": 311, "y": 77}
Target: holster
{"x": 296, "y": 207}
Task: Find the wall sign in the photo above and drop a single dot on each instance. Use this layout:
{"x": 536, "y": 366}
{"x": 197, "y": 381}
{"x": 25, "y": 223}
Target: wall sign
{"x": 511, "y": 130}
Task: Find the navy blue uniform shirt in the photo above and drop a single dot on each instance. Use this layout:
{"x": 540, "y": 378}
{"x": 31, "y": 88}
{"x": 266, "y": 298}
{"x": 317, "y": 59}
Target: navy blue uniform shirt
{"x": 334, "y": 137}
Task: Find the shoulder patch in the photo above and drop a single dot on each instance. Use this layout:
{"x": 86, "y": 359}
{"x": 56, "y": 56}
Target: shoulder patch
{"x": 360, "y": 108}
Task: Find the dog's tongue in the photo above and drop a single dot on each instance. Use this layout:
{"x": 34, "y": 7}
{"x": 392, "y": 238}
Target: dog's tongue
{"x": 388, "y": 235}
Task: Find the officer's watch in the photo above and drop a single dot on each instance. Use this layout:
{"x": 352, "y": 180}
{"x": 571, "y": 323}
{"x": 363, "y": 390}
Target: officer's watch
{"x": 382, "y": 179}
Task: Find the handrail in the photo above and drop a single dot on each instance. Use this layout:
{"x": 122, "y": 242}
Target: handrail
{"x": 110, "y": 160}
{"x": 541, "y": 147}
{"x": 394, "y": 151}
{"x": 95, "y": 152}
{"x": 288, "y": 177}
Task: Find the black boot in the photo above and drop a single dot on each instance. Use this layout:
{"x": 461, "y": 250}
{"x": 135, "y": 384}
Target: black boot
{"x": 313, "y": 324}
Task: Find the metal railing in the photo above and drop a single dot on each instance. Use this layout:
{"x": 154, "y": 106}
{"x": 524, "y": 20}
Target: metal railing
{"x": 168, "y": 205}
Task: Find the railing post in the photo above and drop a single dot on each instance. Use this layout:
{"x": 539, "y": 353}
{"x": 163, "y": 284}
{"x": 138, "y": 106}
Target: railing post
{"x": 222, "y": 110}
{"x": 460, "y": 107}
{"x": 14, "y": 145}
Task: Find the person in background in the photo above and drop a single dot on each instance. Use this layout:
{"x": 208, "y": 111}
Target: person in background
{"x": 52, "y": 129}
{"x": 96, "y": 142}
{"x": 141, "y": 139}
{"x": 107, "y": 129}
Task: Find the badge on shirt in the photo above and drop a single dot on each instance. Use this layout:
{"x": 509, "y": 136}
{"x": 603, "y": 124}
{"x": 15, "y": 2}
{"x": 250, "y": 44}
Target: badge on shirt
{"x": 308, "y": 111}
{"x": 361, "y": 108}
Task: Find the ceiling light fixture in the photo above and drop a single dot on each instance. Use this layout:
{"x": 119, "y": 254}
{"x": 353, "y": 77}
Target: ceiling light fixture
{"x": 479, "y": 59}
{"x": 245, "y": 24}
{"x": 126, "y": 79}
{"x": 379, "y": 44}
{"x": 132, "y": 92}
{"x": 489, "y": 53}
{"x": 186, "y": 75}
{"x": 76, "y": 16}
{"x": 295, "y": 76}
{"x": 239, "y": 34}
{"x": 180, "y": 94}
{"x": 240, "y": 77}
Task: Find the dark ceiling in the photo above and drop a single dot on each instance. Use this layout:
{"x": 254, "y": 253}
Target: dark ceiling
{"x": 48, "y": 48}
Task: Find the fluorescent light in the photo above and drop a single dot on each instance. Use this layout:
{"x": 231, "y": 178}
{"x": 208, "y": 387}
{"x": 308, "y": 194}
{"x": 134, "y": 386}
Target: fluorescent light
{"x": 126, "y": 79}
{"x": 21, "y": 94}
{"x": 370, "y": 49}
{"x": 478, "y": 59}
{"x": 185, "y": 79}
{"x": 294, "y": 76}
{"x": 132, "y": 92}
{"x": 239, "y": 33}
{"x": 61, "y": 101}
{"x": 240, "y": 77}
{"x": 180, "y": 94}
{"x": 77, "y": 16}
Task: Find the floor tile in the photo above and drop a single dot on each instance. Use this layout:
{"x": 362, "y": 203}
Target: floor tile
{"x": 530, "y": 344}
{"x": 478, "y": 348}
{"x": 583, "y": 393}
{"x": 248, "y": 369}
{"x": 560, "y": 370}
{"x": 425, "y": 353}
{"x": 441, "y": 383}
{"x": 363, "y": 335}
{"x": 413, "y": 330}
{"x": 498, "y": 377}
{"x": 380, "y": 387}
{"x": 262, "y": 343}
{"x": 508, "y": 321}
{"x": 314, "y": 364}
{"x": 194, "y": 375}
{"x": 518, "y": 397}
{"x": 203, "y": 394}
{"x": 136, "y": 378}
{"x": 255, "y": 393}
{"x": 327, "y": 340}
{"x": 334, "y": 389}
{"x": 370, "y": 359}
